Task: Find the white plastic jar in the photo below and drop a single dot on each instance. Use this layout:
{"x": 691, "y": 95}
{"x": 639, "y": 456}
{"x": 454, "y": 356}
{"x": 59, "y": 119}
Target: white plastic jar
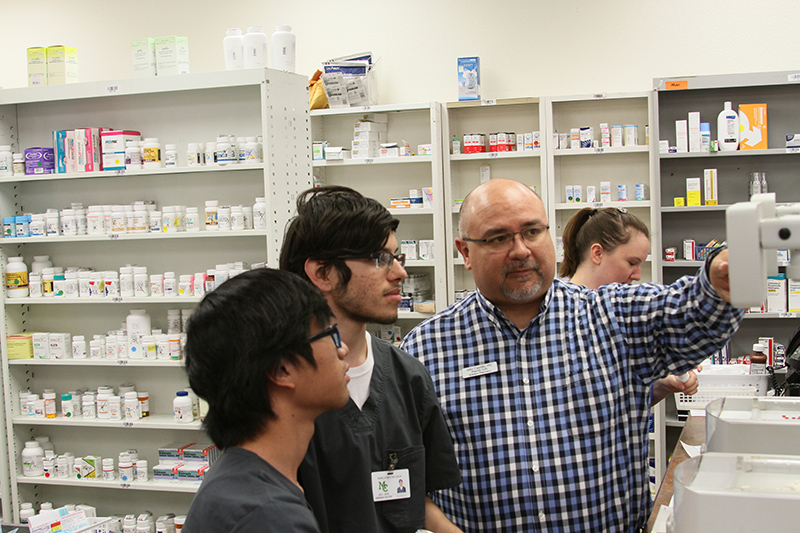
{"x": 26, "y": 511}
{"x": 33, "y": 455}
{"x": 170, "y": 284}
{"x": 237, "y": 218}
{"x": 283, "y": 48}
{"x": 255, "y": 47}
{"x": 18, "y": 164}
{"x": 16, "y": 278}
{"x": 141, "y": 282}
{"x": 170, "y": 155}
{"x": 192, "y": 155}
{"x": 6, "y": 160}
{"x": 138, "y": 325}
{"x": 192, "y": 219}
{"x": 78, "y": 347}
{"x": 260, "y": 213}
{"x": 133, "y": 156}
{"x": 212, "y": 215}
{"x": 224, "y": 218}
{"x": 182, "y": 407}
{"x": 224, "y": 150}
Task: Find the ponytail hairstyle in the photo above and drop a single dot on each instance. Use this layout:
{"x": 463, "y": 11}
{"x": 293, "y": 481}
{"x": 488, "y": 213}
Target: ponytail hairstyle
{"x": 610, "y": 227}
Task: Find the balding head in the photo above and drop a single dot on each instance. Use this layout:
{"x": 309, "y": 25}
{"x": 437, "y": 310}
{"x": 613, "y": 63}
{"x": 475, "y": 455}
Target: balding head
{"x": 489, "y": 193}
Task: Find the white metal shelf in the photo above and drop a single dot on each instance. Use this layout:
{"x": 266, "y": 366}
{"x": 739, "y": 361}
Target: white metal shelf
{"x": 146, "y": 363}
{"x": 771, "y": 315}
{"x": 150, "y": 422}
{"x": 404, "y": 315}
{"x": 601, "y": 150}
{"x": 411, "y": 211}
{"x": 135, "y": 236}
{"x": 633, "y": 204}
{"x": 114, "y": 300}
{"x": 359, "y": 110}
{"x": 110, "y": 174}
{"x": 154, "y": 485}
{"x": 682, "y": 263}
{"x": 734, "y": 153}
{"x": 373, "y": 161}
{"x": 488, "y": 156}
{"x": 411, "y": 263}
{"x": 693, "y": 208}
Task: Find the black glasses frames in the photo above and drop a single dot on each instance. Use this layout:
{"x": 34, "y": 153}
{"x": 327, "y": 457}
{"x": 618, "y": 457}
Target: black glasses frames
{"x": 332, "y": 331}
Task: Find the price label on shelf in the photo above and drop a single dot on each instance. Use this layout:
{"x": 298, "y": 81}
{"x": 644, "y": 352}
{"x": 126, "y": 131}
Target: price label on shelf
{"x": 112, "y": 89}
{"x": 369, "y": 161}
{"x": 122, "y": 362}
{"x": 793, "y": 150}
{"x": 117, "y": 299}
{"x": 489, "y": 102}
{"x": 793, "y": 77}
{"x": 784, "y": 314}
{"x": 494, "y": 154}
{"x": 599, "y": 96}
{"x": 119, "y": 172}
{"x": 598, "y": 205}
{"x": 127, "y": 424}
{"x": 124, "y": 485}
{"x": 599, "y": 150}
{"x": 366, "y": 108}
{"x": 113, "y": 236}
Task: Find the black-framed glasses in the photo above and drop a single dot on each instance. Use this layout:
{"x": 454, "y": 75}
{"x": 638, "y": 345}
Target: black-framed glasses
{"x": 383, "y": 259}
{"x": 333, "y": 331}
{"x": 504, "y": 241}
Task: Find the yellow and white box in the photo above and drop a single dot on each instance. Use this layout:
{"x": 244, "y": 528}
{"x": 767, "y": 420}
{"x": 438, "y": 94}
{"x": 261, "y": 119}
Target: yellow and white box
{"x": 37, "y": 66}
{"x": 62, "y": 65}
{"x": 776, "y": 295}
{"x": 577, "y": 193}
{"x": 753, "y": 127}
{"x": 41, "y": 345}
{"x": 693, "y": 195}
{"x": 144, "y": 57}
{"x": 710, "y": 186}
{"x": 631, "y": 135}
{"x": 172, "y": 55}
{"x": 20, "y": 346}
{"x": 794, "y": 295}
{"x": 569, "y": 193}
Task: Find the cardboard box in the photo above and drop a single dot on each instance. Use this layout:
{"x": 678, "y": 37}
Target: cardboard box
{"x": 37, "y": 66}
{"x": 688, "y": 250}
{"x": 60, "y": 345}
{"x": 710, "y": 186}
{"x": 425, "y": 149}
{"x": 59, "y": 153}
{"x": 605, "y": 191}
{"x": 632, "y": 135}
{"x": 776, "y": 295}
{"x": 318, "y": 150}
{"x": 41, "y": 345}
{"x": 577, "y": 191}
{"x": 469, "y": 78}
{"x": 617, "y": 134}
{"x": 679, "y": 201}
{"x": 337, "y": 152}
{"x": 694, "y": 132}
{"x": 682, "y": 136}
{"x": 89, "y": 149}
{"x": 769, "y": 344}
{"x": 201, "y": 452}
{"x": 62, "y": 65}
{"x": 426, "y": 249}
{"x": 622, "y": 193}
{"x": 794, "y": 295}
{"x": 753, "y": 127}
{"x": 20, "y": 346}
{"x": 144, "y": 57}
{"x": 172, "y": 453}
{"x": 194, "y": 472}
{"x": 89, "y": 467}
{"x": 166, "y": 470}
{"x": 39, "y": 161}
{"x": 591, "y": 193}
{"x": 172, "y": 55}
{"x": 363, "y": 125}
{"x": 569, "y": 194}
{"x": 368, "y": 135}
{"x": 409, "y": 248}
{"x": 693, "y": 194}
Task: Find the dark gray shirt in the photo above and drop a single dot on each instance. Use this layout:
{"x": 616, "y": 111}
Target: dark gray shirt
{"x": 242, "y": 493}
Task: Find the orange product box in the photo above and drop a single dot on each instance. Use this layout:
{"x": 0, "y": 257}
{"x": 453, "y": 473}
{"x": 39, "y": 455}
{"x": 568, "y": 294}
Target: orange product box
{"x": 753, "y": 127}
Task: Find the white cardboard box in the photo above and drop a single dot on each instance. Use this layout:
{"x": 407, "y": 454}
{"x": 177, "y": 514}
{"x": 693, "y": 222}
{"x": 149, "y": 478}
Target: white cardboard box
{"x": 172, "y": 55}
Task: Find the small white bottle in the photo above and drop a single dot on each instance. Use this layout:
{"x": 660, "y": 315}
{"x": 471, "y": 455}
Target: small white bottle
{"x": 16, "y": 278}
{"x": 141, "y": 470}
{"x": 241, "y": 143}
{"x": 78, "y": 347}
{"x": 237, "y": 218}
{"x": 133, "y": 156}
{"x": 173, "y": 321}
{"x": 260, "y": 213}
{"x": 35, "y": 285}
{"x": 212, "y": 215}
{"x": 192, "y": 155}
{"x": 88, "y": 407}
{"x": 283, "y": 48}
{"x": 170, "y": 155}
{"x": 115, "y": 408}
{"x": 250, "y": 150}
{"x": 111, "y": 284}
{"x": 18, "y": 164}
{"x": 156, "y": 285}
{"x": 141, "y": 282}
{"x": 247, "y": 216}
{"x": 182, "y": 407}
{"x": 255, "y": 47}
{"x": 126, "y": 471}
{"x": 138, "y": 325}
{"x": 52, "y": 225}
{"x": 156, "y": 220}
{"x": 210, "y": 154}
{"x": 224, "y": 150}
{"x": 26, "y": 511}
{"x": 71, "y": 284}
{"x": 126, "y": 281}
{"x": 170, "y": 284}
{"x": 728, "y": 129}
{"x": 233, "y": 47}
{"x": 192, "y": 219}
{"x": 199, "y": 283}
{"x": 133, "y": 410}
{"x": 67, "y": 406}
{"x": 186, "y": 285}
{"x": 109, "y": 474}
{"x": 224, "y": 218}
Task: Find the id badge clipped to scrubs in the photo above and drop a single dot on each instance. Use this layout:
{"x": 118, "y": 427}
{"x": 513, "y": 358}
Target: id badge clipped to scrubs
{"x": 391, "y": 485}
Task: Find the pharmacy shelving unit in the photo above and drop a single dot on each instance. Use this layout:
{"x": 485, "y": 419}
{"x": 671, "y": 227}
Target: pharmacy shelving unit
{"x": 627, "y": 165}
{"x": 177, "y": 109}
{"x": 385, "y": 178}
{"x": 462, "y": 172}
{"x": 675, "y": 98}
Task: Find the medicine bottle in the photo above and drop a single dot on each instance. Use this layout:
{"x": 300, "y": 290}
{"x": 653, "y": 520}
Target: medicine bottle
{"x": 96, "y": 286}
{"x": 162, "y": 346}
{"x": 173, "y": 321}
{"x": 35, "y": 285}
{"x": 193, "y": 158}
{"x": 212, "y": 214}
{"x": 224, "y": 150}
{"x": 210, "y": 278}
{"x": 111, "y": 284}
{"x": 47, "y": 281}
{"x": 151, "y": 153}
{"x": 126, "y": 281}
{"x": 18, "y": 164}
{"x": 9, "y": 227}
{"x": 233, "y": 48}
{"x": 23, "y": 226}
{"x": 237, "y": 218}
{"x": 26, "y": 511}
{"x": 156, "y": 218}
{"x": 115, "y": 408}
{"x": 6, "y": 161}
{"x": 67, "y": 408}
{"x": 52, "y": 226}
{"x": 186, "y": 285}
{"x": 221, "y": 274}
{"x": 71, "y": 284}
{"x": 88, "y": 407}
{"x": 78, "y": 347}
{"x": 758, "y": 360}
{"x": 49, "y": 404}
{"x": 179, "y": 521}
{"x": 32, "y": 457}
{"x": 255, "y": 47}
{"x": 250, "y": 150}
{"x": 241, "y": 142}
{"x": 247, "y": 216}
{"x": 38, "y": 227}
{"x": 141, "y": 470}
{"x": 126, "y": 471}
{"x": 210, "y": 154}
{"x": 224, "y": 218}
{"x": 182, "y": 407}
{"x": 192, "y": 219}
{"x": 133, "y": 156}
{"x": 175, "y": 348}
{"x": 144, "y": 400}
{"x": 80, "y": 218}
{"x": 260, "y": 213}
{"x": 170, "y": 155}
{"x": 199, "y": 283}
{"x": 16, "y": 278}
{"x": 283, "y": 48}
{"x": 59, "y": 285}
{"x": 138, "y": 325}
{"x": 141, "y": 282}
{"x": 149, "y": 348}
{"x": 108, "y": 469}
{"x": 112, "y": 351}
{"x": 156, "y": 285}
{"x": 170, "y": 284}
{"x": 45, "y": 443}
{"x": 141, "y": 219}
{"x": 133, "y": 410}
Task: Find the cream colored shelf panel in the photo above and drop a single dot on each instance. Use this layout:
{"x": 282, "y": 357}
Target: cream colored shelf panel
{"x": 153, "y": 485}
{"x": 150, "y": 422}
{"x": 133, "y": 173}
{"x": 147, "y": 363}
{"x": 599, "y": 205}
{"x": 488, "y": 156}
{"x": 116, "y": 300}
{"x": 373, "y": 161}
{"x": 642, "y": 148}
{"x": 136, "y": 236}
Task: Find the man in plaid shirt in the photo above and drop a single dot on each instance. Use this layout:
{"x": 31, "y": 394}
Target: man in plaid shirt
{"x": 545, "y": 385}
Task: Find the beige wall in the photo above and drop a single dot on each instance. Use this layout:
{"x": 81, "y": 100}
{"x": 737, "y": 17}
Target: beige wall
{"x": 527, "y": 48}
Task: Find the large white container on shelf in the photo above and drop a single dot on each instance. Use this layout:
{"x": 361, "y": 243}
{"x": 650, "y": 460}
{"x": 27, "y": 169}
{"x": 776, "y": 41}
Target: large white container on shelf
{"x": 233, "y": 47}
{"x": 255, "y": 47}
{"x": 283, "y": 48}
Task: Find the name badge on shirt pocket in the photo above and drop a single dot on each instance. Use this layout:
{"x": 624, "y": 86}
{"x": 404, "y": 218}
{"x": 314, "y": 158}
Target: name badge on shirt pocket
{"x": 391, "y": 485}
{"x": 479, "y": 370}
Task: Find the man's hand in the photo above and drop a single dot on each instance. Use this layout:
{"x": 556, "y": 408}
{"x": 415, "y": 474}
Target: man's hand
{"x": 718, "y": 275}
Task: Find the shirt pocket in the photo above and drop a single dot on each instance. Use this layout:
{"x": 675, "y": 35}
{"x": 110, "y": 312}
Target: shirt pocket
{"x": 592, "y": 391}
{"x": 409, "y": 513}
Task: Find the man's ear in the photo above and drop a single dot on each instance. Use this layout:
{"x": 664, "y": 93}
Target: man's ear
{"x": 596, "y": 253}
{"x": 319, "y": 273}
{"x": 284, "y": 375}
{"x": 463, "y": 248}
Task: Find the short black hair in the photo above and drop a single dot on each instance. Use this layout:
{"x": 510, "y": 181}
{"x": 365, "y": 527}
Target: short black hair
{"x": 238, "y": 336}
{"x": 332, "y": 222}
